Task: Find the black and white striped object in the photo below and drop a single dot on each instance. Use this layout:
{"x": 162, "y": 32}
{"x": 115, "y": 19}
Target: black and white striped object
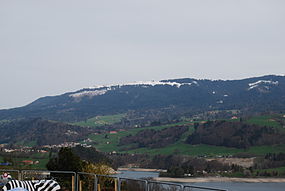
{"x": 34, "y": 185}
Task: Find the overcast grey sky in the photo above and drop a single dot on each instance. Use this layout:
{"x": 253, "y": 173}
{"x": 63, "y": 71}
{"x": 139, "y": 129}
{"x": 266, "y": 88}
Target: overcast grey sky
{"x": 51, "y": 47}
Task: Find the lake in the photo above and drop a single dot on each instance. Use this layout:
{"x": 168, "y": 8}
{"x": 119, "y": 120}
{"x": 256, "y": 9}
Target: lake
{"x": 231, "y": 186}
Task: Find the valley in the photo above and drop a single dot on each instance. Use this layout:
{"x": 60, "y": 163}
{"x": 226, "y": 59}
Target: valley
{"x": 184, "y": 126}
{"x": 108, "y": 139}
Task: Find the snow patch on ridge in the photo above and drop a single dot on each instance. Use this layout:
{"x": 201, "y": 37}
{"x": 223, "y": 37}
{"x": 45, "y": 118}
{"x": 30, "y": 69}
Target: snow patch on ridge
{"x": 154, "y": 83}
{"x": 88, "y": 93}
{"x": 256, "y": 84}
{"x": 103, "y": 89}
{"x": 147, "y": 83}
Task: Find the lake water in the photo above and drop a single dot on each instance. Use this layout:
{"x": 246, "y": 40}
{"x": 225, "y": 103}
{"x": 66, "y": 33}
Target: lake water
{"x": 231, "y": 186}
{"x": 136, "y": 174}
{"x": 238, "y": 186}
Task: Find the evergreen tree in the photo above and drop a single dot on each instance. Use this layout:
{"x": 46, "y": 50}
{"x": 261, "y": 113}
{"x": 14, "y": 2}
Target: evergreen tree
{"x": 65, "y": 161}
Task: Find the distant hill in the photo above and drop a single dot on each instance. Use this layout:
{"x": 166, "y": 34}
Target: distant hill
{"x": 251, "y": 136}
{"x": 258, "y": 94}
{"x": 38, "y": 132}
{"x": 235, "y": 134}
{"x": 154, "y": 138}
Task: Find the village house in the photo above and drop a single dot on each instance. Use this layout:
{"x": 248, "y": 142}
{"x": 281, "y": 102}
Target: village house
{"x": 113, "y": 132}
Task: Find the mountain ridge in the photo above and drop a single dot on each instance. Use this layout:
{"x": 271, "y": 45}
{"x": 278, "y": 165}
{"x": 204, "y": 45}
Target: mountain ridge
{"x": 249, "y": 94}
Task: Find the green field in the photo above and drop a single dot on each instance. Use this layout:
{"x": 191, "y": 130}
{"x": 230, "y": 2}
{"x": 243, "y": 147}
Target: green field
{"x": 261, "y": 150}
{"x": 266, "y": 120}
{"x": 113, "y": 139}
{"x": 186, "y": 149}
{"x": 43, "y": 159}
{"x": 209, "y": 150}
{"x": 101, "y": 120}
{"x": 280, "y": 170}
{"x": 109, "y": 142}
{"x": 28, "y": 144}
{"x": 41, "y": 165}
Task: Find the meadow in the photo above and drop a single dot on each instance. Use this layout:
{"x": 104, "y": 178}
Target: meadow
{"x": 109, "y": 142}
{"x": 101, "y": 120}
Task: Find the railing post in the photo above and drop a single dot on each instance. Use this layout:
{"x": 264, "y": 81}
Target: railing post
{"x": 73, "y": 183}
{"x": 76, "y": 186}
{"x": 77, "y": 182}
{"x": 95, "y": 182}
{"x": 116, "y": 184}
{"x": 146, "y": 186}
{"x": 19, "y": 175}
{"x": 22, "y": 175}
{"x": 80, "y": 185}
{"x": 119, "y": 184}
{"x": 182, "y": 187}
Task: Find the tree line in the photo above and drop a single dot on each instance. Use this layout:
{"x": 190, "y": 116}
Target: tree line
{"x": 235, "y": 134}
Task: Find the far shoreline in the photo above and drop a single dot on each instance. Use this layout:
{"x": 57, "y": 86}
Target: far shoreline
{"x": 220, "y": 179}
{"x": 141, "y": 169}
{"x": 205, "y": 179}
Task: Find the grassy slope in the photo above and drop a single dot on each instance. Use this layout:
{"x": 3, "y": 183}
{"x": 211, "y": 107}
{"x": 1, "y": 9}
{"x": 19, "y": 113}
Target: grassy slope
{"x": 267, "y": 120}
{"x": 181, "y": 148}
{"x": 101, "y": 120}
{"x": 113, "y": 139}
{"x": 279, "y": 170}
{"x": 177, "y": 148}
{"x": 41, "y": 157}
{"x": 29, "y": 144}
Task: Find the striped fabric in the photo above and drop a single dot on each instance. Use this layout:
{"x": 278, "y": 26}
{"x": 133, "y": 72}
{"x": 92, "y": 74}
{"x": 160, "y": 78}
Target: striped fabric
{"x": 35, "y": 185}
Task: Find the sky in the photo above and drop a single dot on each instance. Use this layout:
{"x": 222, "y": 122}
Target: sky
{"x": 56, "y": 46}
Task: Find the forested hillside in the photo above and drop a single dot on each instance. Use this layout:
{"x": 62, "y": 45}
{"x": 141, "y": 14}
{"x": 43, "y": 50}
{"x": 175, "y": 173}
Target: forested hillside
{"x": 189, "y": 95}
{"x": 36, "y": 132}
{"x": 235, "y": 134}
{"x": 154, "y": 138}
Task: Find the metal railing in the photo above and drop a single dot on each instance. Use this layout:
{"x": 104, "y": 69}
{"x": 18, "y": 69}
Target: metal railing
{"x": 169, "y": 186}
{"x": 66, "y": 179}
{"x": 130, "y": 184}
{"x": 133, "y": 184}
{"x": 88, "y": 179}
{"x": 200, "y": 188}
{"x": 14, "y": 173}
{"x": 83, "y": 181}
